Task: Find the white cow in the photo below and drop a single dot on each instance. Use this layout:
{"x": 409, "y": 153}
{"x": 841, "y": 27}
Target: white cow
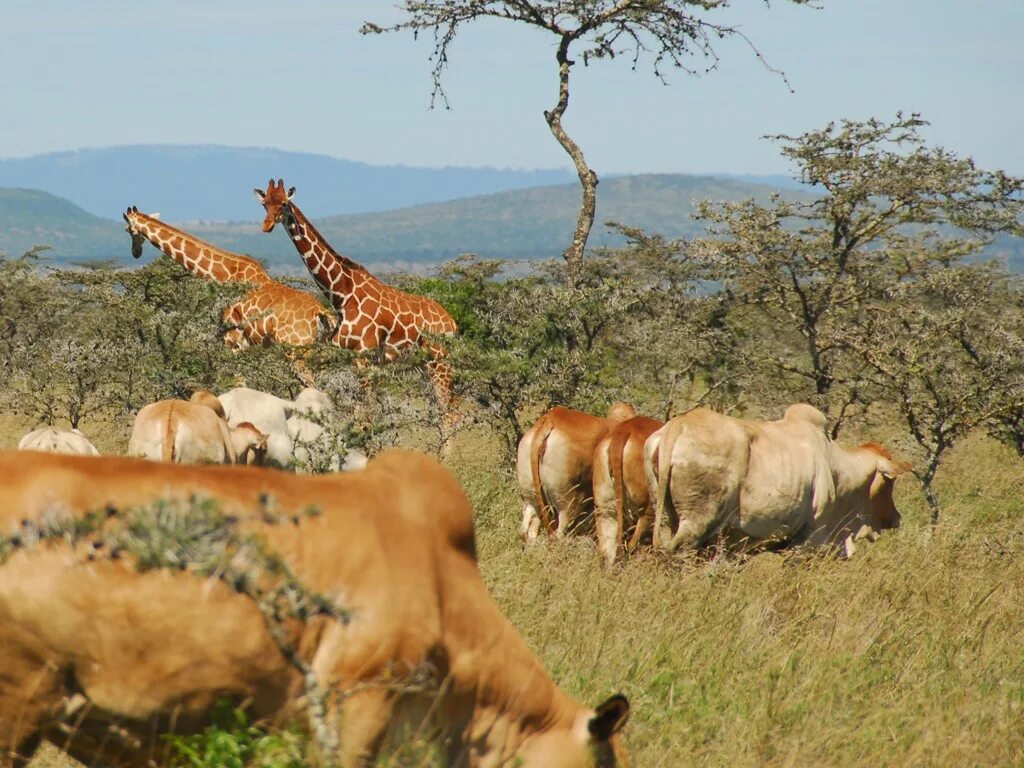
{"x": 268, "y": 413}
{"x": 291, "y": 432}
{"x": 766, "y": 481}
{"x": 52, "y": 440}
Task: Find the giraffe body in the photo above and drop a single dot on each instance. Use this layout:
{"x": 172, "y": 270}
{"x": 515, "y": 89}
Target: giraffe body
{"x": 374, "y": 315}
{"x": 291, "y": 317}
{"x": 271, "y": 311}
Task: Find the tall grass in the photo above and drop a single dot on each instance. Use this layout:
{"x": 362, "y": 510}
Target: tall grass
{"x": 909, "y": 654}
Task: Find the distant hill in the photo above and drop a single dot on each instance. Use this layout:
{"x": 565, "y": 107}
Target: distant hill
{"x": 524, "y": 224}
{"x": 215, "y": 183}
{"x": 29, "y": 217}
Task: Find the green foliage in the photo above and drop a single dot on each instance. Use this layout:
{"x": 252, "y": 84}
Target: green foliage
{"x": 80, "y": 342}
{"x": 892, "y": 210}
{"x": 231, "y": 742}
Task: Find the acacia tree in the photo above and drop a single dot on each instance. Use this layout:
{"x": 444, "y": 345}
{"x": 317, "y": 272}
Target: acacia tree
{"x": 673, "y": 33}
{"x": 945, "y": 350}
{"x": 892, "y": 208}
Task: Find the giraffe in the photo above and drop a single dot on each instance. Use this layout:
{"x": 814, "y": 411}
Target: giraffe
{"x": 271, "y": 311}
{"x": 373, "y": 315}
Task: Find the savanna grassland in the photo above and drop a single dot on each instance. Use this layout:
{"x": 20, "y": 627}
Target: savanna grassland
{"x": 909, "y": 654}
{"x": 868, "y": 302}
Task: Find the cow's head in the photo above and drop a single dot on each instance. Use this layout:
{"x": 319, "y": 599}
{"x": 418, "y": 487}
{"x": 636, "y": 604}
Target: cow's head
{"x": 594, "y": 741}
{"x": 880, "y": 510}
{"x": 882, "y": 513}
{"x": 277, "y": 203}
{"x": 250, "y": 444}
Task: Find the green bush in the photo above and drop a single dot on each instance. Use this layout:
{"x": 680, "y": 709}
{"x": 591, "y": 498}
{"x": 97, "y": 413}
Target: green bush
{"x": 232, "y": 742}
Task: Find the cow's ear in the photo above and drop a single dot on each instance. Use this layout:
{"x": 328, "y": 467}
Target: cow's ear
{"x": 609, "y": 718}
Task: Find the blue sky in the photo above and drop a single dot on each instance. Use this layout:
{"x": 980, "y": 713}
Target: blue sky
{"x": 296, "y": 75}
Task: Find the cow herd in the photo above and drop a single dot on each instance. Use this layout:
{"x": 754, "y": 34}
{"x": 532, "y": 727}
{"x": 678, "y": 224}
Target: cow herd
{"x": 703, "y": 477}
{"x": 423, "y": 648}
{"x": 240, "y": 426}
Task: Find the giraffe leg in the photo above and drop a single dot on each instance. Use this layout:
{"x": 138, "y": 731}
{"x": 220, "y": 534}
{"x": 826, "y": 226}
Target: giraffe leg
{"x": 440, "y": 373}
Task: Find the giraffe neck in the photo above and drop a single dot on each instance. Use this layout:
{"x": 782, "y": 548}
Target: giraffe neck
{"x": 199, "y": 257}
{"x": 338, "y": 276}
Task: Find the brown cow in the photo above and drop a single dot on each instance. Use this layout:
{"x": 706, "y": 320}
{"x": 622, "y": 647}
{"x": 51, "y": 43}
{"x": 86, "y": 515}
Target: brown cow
{"x": 194, "y": 432}
{"x": 554, "y": 467}
{"x": 766, "y": 481}
{"x": 118, "y": 657}
{"x": 621, "y": 499}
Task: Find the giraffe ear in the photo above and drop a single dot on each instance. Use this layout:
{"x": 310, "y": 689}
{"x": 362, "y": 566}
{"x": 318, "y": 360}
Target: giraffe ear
{"x": 260, "y": 194}
{"x": 124, "y": 216}
{"x": 291, "y": 192}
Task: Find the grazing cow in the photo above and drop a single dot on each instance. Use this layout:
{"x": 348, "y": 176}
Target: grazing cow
{"x": 766, "y": 481}
{"x": 621, "y": 499}
{"x": 89, "y": 646}
{"x": 268, "y": 413}
{"x": 188, "y": 433}
{"x": 554, "y": 467}
{"x": 72, "y": 442}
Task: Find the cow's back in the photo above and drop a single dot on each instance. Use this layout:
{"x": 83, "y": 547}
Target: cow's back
{"x": 788, "y": 479}
{"x": 51, "y": 440}
{"x": 179, "y": 431}
{"x": 754, "y": 480}
{"x": 569, "y": 439}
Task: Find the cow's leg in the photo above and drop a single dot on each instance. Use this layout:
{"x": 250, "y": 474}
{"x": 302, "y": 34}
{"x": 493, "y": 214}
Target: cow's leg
{"x": 529, "y": 528}
{"x": 643, "y": 522}
{"x": 31, "y": 690}
{"x": 573, "y": 507}
{"x": 606, "y": 522}
{"x": 365, "y": 718}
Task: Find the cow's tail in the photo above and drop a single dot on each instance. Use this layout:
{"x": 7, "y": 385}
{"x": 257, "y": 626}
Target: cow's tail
{"x": 664, "y": 472}
{"x": 167, "y": 453}
{"x": 616, "y": 451}
{"x": 537, "y": 446}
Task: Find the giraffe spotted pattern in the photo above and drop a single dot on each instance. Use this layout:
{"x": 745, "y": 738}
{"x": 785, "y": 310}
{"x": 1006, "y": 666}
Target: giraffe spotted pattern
{"x": 373, "y": 315}
{"x": 272, "y": 311}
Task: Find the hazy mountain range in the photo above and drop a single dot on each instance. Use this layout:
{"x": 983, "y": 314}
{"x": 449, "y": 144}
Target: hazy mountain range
{"x": 377, "y": 215}
{"x": 522, "y": 224}
{"x": 214, "y": 183}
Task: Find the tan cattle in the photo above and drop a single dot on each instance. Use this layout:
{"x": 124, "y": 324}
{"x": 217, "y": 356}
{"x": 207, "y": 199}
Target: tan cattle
{"x": 766, "y": 481}
{"x": 119, "y": 657}
{"x": 189, "y": 433}
{"x": 71, "y": 442}
{"x": 554, "y": 467}
{"x": 621, "y": 498}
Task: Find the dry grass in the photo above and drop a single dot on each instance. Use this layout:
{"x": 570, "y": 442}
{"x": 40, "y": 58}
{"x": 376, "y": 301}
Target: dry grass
{"x": 907, "y": 655}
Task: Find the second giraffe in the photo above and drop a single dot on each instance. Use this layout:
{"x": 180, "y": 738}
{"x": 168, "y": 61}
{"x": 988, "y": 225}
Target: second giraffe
{"x": 373, "y": 315}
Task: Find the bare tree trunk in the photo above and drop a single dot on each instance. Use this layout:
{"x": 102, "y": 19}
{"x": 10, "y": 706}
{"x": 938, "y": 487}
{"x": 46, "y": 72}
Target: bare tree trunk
{"x": 929, "y": 495}
{"x": 573, "y": 255}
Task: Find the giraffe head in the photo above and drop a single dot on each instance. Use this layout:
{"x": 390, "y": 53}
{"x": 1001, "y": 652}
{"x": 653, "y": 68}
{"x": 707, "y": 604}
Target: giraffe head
{"x": 277, "y": 201}
{"x": 131, "y": 225}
